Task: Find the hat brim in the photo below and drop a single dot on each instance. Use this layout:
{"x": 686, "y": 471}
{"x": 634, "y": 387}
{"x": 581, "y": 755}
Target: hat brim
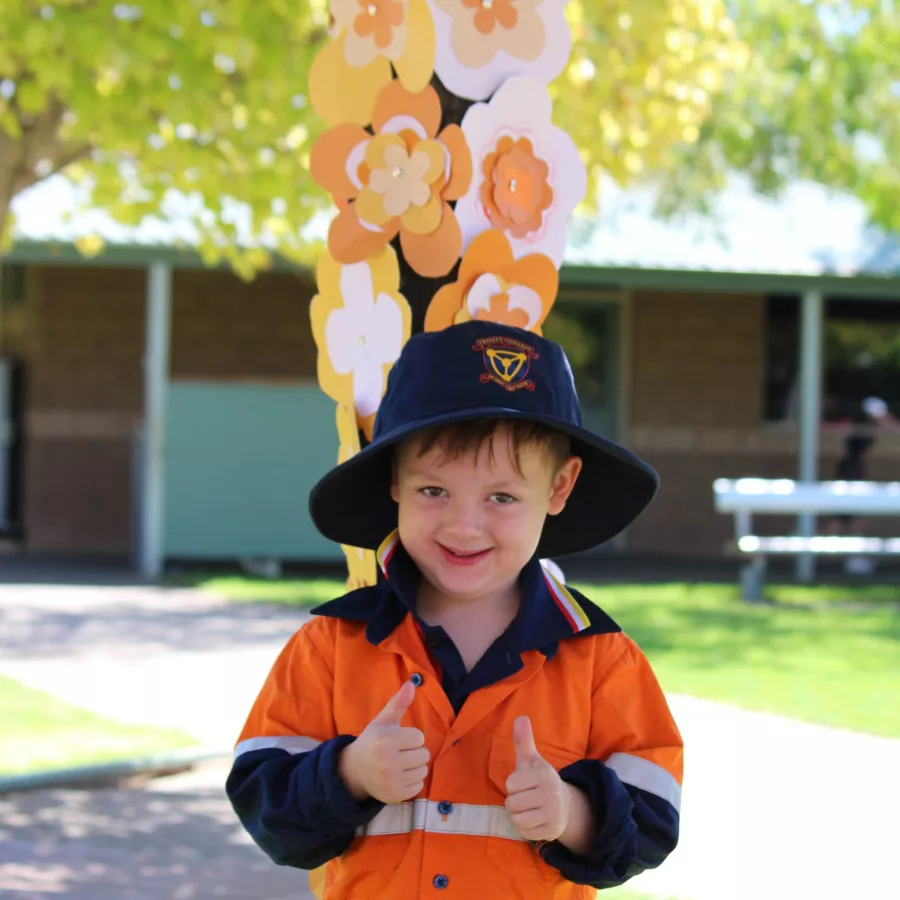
{"x": 352, "y": 505}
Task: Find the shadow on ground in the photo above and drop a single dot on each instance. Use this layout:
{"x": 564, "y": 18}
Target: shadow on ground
{"x": 174, "y": 843}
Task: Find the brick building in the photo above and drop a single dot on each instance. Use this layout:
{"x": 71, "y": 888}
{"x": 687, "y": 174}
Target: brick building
{"x": 675, "y": 342}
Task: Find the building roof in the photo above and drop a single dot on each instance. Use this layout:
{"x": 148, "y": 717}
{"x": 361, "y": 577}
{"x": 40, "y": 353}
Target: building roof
{"x": 808, "y": 232}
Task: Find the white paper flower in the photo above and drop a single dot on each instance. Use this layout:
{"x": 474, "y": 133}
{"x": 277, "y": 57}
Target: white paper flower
{"x": 360, "y": 323}
{"x": 528, "y": 174}
{"x": 481, "y": 43}
{"x": 363, "y": 336}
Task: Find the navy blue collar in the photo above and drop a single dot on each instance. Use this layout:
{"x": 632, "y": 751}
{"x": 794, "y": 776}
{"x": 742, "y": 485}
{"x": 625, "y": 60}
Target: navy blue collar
{"x": 550, "y": 612}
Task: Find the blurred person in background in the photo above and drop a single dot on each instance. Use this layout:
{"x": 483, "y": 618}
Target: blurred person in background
{"x": 872, "y": 415}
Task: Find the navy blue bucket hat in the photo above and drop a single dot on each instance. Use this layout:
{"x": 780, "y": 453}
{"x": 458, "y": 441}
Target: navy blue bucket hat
{"x": 482, "y": 370}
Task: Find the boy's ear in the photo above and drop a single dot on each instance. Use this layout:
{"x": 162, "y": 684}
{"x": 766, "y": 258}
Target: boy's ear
{"x": 395, "y": 487}
{"x": 563, "y": 484}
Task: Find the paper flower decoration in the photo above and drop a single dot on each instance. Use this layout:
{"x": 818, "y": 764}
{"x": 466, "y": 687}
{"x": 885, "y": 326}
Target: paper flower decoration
{"x": 528, "y": 174}
{"x": 317, "y": 881}
{"x": 481, "y": 43}
{"x": 370, "y": 36}
{"x": 492, "y": 285}
{"x": 348, "y": 432}
{"x": 361, "y": 564}
{"x": 397, "y": 180}
{"x": 360, "y": 323}
{"x": 361, "y": 567}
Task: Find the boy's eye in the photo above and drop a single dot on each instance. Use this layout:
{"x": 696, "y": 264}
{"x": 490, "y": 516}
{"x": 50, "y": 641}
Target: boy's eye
{"x": 432, "y": 491}
{"x": 503, "y": 499}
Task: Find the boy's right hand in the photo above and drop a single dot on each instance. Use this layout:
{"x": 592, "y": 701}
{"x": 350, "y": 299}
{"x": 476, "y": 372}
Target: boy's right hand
{"x": 387, "y": 762}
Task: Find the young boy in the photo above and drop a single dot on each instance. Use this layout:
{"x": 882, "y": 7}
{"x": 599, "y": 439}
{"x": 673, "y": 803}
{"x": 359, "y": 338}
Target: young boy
{"x": 470, "y": 726}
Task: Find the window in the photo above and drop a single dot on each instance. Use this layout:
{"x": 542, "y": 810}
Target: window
{"x": 861, "y": 356}
{"x": 588, "y": 332}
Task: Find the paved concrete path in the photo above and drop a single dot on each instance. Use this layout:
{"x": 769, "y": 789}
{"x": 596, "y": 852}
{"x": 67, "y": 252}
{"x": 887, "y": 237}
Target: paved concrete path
{"x": 772, "y": 807}
{"x": 176, "y": 839}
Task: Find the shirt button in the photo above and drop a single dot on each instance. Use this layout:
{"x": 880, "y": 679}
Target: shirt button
{"x": 441, "y": 882}
{"x": 445, "y": 807}
{"x": 417, "y": 679}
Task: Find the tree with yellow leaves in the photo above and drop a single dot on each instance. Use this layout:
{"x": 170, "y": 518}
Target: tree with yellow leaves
{"x": 210, "y": 99}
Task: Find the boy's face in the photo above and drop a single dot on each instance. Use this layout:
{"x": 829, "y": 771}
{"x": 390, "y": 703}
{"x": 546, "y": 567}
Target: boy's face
{"x": 472, "y": 523}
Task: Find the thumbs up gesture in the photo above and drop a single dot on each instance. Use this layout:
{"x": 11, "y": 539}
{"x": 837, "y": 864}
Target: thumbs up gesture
{"x": 387, "y": 761}
{"x": 538, "y": 800}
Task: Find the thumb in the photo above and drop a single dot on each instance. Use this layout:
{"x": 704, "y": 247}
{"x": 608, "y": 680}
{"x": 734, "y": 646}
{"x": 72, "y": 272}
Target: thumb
{"x": 397, "y": 706}
{"x": 526, "y": 751}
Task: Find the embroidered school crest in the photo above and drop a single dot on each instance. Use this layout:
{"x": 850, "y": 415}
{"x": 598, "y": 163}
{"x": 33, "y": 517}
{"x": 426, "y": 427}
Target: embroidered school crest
{"x": 507, "y": 362}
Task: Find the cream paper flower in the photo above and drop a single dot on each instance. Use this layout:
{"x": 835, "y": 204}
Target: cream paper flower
{"x": 481, "y": 43}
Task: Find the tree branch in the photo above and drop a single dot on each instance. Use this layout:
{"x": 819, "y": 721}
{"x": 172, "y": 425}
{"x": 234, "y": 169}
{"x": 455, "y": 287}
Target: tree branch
{"x": 40, "y": 142}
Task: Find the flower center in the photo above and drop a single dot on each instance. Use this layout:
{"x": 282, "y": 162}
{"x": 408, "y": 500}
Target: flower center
{"x": 487, "y": 4}
{"x": 372, "y": 9}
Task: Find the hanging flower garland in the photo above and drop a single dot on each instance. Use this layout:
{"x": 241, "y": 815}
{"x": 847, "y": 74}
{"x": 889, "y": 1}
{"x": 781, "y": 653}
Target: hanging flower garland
{"x": 496, "y": 189}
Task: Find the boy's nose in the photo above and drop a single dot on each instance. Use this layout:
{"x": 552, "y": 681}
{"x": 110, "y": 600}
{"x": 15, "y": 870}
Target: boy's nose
{"x": 464, "y": 520}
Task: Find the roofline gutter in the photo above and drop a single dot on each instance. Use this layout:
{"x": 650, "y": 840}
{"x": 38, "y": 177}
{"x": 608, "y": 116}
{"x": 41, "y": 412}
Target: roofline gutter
{"x": 125, "y": 256}
{"x": 616, "y": 278}
{"x": 603, "y": 278}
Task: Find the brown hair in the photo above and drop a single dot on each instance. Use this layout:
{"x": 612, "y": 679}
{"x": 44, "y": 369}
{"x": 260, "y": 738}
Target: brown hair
{"x": 460, "y": 438}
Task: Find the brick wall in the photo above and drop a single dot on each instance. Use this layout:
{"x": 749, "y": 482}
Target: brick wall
{"x": 696, "y": 414}
{"x": 84, "y": 397}
{"x": 698, "y": 360}
{"x": 85, "y": 382}
{"x": 226, "y": 329}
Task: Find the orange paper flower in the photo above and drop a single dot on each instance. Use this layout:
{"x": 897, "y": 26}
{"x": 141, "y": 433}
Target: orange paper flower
{"x": 516, "y": 189}
{"x": 488, "y": 16}
{"x": 482, "y": 28}
{"x": 379, "y": 19}
{"x": 369, "y": 37}
{"x": 397, "y": 180}
{"x": 493, "y": 286}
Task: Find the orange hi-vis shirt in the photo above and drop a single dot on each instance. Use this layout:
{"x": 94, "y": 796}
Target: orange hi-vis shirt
{"x": 598, "y": 715}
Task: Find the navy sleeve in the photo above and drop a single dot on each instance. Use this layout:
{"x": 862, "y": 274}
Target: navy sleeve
{"x": 636, "y": 830}
{"x": 295, "y": 807}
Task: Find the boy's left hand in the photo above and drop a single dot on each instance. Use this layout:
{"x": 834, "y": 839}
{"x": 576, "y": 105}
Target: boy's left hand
{"x": 538, "y": 800}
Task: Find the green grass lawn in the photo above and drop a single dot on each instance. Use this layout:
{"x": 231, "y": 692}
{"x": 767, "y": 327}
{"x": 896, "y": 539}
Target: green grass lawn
{"x": 39, "y": 732}
{"x": 626, "y": 893}
{"x": 828, "y": 654}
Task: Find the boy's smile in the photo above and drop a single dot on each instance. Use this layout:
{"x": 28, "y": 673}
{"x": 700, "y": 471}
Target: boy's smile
{"x": 464, "y": 557}
{"x": 472, "y": 521}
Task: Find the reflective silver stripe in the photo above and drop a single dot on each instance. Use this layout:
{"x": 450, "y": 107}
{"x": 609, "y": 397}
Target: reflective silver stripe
{"x": 423, "y": 815}
{"x": 648, "y": 776}
{"x": 291, "y": 742}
